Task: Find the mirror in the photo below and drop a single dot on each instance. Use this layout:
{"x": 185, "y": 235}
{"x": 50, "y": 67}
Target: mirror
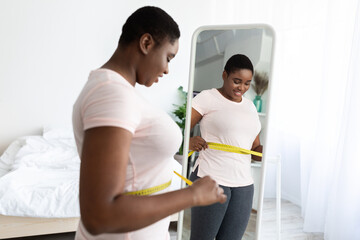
{"x": 212, "y": 46}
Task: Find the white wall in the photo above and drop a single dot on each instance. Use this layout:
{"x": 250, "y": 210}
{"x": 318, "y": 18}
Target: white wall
{"x": 48, "y": 48}
{"x": 209, "y": 75}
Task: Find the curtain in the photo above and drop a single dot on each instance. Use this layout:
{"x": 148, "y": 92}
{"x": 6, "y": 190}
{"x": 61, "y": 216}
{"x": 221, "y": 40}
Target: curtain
{"x": 314, "y": 114}
{"x": 330, "y": 160}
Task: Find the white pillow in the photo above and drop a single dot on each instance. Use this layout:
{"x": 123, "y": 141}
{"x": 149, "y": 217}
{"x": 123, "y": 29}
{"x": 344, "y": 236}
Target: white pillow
{"x": 50, "y": 132}
{"x": 8, "y": 157}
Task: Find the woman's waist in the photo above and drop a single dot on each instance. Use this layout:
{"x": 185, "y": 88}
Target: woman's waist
{"x": 148, "y": 176}
{"x": 218, "y": 155}
{"x": 230, "y": 176}
{"x": 225, "y": 164}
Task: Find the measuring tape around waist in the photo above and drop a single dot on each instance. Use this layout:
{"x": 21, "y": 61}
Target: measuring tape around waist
{"x": 215, "y": 146}
{"x": 149, "y": 191}
{"x": 229, "y": 148}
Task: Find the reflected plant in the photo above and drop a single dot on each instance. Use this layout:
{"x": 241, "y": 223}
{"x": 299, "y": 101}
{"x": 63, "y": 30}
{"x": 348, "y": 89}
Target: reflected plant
{"x": 180, "y": 114}
{"x": 261, "y": 82}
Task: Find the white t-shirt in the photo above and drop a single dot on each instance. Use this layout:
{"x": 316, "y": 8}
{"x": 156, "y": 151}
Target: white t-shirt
{"x": 108, "y": 99}
{"x": 227, "y": 122}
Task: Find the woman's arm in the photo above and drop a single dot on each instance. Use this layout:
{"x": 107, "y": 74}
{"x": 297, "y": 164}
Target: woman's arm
{"x": 196, "y": 143}
{"x": 195, "y": 118}
{"x": 257, "y": 147}
{"x": 104, "y": 209}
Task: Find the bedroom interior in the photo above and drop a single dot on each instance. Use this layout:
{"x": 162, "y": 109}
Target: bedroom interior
{"x": 49, "y": 47}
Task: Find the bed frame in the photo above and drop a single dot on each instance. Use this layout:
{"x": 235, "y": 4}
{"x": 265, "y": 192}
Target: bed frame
{"x": 11, "y": 227}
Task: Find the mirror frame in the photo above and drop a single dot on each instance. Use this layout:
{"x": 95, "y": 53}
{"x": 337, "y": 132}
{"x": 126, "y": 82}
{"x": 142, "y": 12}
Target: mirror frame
{"x": 188, "y": 115}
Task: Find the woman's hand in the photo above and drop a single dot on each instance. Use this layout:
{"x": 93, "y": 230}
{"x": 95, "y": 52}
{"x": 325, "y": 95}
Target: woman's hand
{"x": 206, "y": 191}
{"x": 257, "y": 147}
{"x": 197, "y": 144}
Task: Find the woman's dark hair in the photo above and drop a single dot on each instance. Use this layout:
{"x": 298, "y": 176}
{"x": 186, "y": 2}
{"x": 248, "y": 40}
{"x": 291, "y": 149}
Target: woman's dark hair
{"x": 238, "y": 61}
{"x": 152, "y": 20}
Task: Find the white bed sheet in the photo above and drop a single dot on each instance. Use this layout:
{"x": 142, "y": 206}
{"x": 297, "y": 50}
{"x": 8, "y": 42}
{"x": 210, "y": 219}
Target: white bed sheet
{"x": 39, "y": 176}
{"x": 42, "y": 178}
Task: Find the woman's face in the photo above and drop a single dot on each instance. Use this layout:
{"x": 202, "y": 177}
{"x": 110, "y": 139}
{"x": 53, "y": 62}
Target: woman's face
{"x": 156, "y": 62}
{"x": 236, "y": 84}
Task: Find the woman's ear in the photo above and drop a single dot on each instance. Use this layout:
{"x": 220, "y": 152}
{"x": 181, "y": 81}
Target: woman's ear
{"x": 146, "y": 43}
{"x": 224, "y": 75}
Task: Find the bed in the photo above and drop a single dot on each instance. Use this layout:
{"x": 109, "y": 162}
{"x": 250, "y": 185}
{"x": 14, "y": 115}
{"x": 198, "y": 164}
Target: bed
{"x": 39, "y": 185}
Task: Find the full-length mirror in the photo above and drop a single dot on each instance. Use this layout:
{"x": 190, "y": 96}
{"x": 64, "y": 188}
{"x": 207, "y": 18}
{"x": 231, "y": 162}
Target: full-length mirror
{"x": 227, "y": 107}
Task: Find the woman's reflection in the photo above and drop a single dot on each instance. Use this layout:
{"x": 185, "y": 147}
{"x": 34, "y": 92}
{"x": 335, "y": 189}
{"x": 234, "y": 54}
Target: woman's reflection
{"x": 226, "y": 117}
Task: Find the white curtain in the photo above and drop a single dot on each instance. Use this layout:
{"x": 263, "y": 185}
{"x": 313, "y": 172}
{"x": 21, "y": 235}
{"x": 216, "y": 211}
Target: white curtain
{"x": 330, "y": 160}
{"x": 314, "y": 118}
{"x": 314, "y": 121}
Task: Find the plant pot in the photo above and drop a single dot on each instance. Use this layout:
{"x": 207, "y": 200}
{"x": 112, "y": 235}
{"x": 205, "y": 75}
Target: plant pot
{"x": 258, "y": 103}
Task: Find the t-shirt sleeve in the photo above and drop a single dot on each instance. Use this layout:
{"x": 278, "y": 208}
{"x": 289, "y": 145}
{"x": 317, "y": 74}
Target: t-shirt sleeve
{"x": 200, "y": 102}
{"x": 111, "y": 104}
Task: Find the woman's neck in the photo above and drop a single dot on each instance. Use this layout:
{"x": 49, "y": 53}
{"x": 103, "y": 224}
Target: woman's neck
{"x": 122, "y": 62}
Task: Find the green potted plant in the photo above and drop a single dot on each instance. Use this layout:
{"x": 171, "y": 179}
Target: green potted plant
{"x": 180, "y": 114}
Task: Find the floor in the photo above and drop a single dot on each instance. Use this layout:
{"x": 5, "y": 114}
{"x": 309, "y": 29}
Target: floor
{"x": 291, "y": 225}
{"x": 291, "y": 222}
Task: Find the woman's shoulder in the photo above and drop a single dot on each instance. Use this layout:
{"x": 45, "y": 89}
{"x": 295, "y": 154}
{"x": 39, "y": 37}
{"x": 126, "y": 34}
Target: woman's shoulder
{"x": 204, "y": 97}
{"x": 107, "y": 76}
{"x": 105, "y": 82}
{"x": 207, "y": 92}
{"x": 107, "y": 86}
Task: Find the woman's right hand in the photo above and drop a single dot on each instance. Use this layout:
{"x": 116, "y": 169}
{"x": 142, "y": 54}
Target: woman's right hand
{"x": 197, "y": 143}
{"x": 206, "y": 191}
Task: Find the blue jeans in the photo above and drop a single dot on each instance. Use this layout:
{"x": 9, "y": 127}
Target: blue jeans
{"x": 226, "y": 221}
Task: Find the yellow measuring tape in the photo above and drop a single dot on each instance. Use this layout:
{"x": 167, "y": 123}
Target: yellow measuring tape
{"x": 216, "y": 146}
{"x": 184, "y": 178}
{"x": 229, "y": 148}
{"x": 149, "y": 191}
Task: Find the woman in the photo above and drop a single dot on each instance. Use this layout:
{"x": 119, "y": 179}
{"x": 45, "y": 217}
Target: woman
{"x": 126, "y": 145}
{"x": 226, "y": 117}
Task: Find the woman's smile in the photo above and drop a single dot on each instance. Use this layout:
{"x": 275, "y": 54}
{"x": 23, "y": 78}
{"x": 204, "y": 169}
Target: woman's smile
{"x": 238, "y": 93}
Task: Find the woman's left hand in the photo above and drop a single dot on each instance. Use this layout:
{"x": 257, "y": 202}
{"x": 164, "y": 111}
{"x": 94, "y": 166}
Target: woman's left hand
{"x": 197, "y": 144}
{"x": 257, "y": 147}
